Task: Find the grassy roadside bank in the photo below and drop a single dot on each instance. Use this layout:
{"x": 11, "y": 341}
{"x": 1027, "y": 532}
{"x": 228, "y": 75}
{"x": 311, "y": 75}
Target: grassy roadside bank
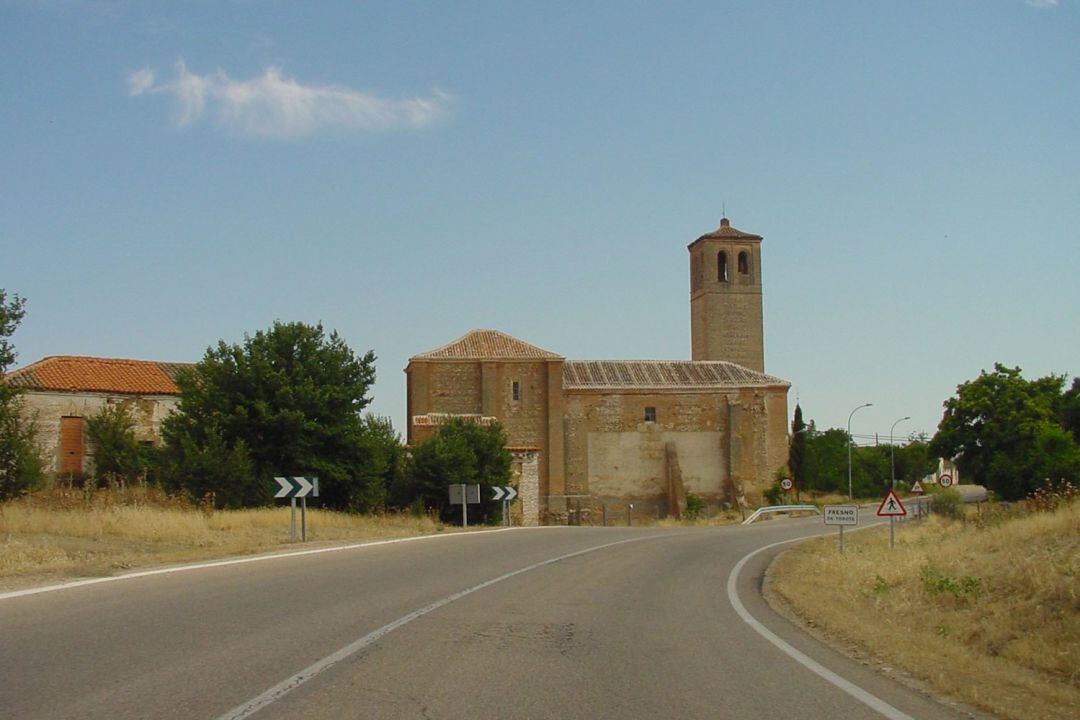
{"x": 985, "y": 610}
{"x": 67, "y": 533}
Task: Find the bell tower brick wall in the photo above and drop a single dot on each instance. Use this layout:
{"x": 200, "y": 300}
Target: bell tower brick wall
{"x": 725, "y": 298}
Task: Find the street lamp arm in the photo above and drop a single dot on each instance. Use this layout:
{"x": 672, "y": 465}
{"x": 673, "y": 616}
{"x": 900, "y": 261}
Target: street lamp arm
{"x": 849, "y": 493}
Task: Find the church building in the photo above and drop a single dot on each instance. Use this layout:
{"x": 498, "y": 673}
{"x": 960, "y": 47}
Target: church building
{"x": 595, "y": 436}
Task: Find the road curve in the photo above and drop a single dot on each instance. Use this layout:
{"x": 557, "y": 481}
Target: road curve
{"x": 549, "y": 622}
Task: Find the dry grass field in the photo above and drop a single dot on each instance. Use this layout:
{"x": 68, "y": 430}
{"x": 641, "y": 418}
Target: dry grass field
{"x": 986, "y": 610}
{"x": 65, "y": 533}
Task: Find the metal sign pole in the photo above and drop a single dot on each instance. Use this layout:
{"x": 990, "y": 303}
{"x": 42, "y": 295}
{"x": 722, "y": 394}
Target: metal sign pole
{"x": 292, "y": 520}
{"x": 841, "y": 539}
{"x": 303, "y": 519}
{"x": 892, "y": 533}
{"x": 464, "y": 506}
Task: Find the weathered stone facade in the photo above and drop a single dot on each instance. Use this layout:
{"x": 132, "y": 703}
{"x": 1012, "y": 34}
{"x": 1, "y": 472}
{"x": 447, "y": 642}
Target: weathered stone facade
{"x": 53, "y": 412}
{"x": 611, "y": 433}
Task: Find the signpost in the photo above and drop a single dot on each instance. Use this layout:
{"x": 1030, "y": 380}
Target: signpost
{"x": 786, "y": 484}
{"x": 841, "y": 515}
{"x": 506, "y": 493}
{"x": 462, "y": 494}
{"x": 892, "y": 508}
{"x": 945, "y": 480}
{"x": 917, "y": 488}
{"x": 297, "y": 487}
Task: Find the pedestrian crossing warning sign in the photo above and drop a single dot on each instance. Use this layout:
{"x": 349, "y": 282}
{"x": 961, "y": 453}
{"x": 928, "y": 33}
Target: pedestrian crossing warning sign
{"x": 891, "y": 506}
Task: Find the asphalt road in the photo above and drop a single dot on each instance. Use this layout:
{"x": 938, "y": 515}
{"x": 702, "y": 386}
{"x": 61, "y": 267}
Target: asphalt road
{"x": 530, "y": 623}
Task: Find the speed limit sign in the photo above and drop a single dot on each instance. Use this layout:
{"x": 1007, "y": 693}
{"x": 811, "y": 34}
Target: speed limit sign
{"x": 945, "y": 480}
{"x": 786, "y": 484}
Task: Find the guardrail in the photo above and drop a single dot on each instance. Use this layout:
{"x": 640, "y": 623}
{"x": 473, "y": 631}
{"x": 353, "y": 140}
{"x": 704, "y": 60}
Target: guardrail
{"x": 780, "y": 509}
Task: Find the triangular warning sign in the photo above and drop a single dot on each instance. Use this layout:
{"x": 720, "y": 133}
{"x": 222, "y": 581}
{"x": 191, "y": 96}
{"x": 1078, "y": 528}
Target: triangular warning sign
{"x": 916, "y": 489}
{"x": 891, "y": 506}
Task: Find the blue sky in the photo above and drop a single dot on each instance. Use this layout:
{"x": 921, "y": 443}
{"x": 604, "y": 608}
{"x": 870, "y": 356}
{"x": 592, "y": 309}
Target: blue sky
{"x": 173, "y": 174}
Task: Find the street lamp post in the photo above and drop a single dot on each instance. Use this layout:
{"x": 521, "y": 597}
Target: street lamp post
{"x": 850, "y": 495}
{"x": 892, "y": 459}
{"x": 892, "y": 447}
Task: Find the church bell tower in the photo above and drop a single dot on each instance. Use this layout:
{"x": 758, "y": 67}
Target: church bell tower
{"x": 725, "y": 297}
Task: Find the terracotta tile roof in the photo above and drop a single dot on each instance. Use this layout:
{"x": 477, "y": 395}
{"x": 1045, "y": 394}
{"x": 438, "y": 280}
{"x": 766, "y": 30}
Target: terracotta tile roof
{"x": 69, "y": 373}
{"x": 661, "y": 375}
{"x": 487, "y": 345}
{"x": 727, "y": 232}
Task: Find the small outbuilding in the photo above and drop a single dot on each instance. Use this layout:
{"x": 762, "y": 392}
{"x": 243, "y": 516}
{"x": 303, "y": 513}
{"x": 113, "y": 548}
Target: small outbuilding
{"x": 61, "y": 392}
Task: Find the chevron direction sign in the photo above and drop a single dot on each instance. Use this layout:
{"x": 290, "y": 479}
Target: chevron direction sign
{"x": 297, "y": 487}
{"x": 506, "y": 494}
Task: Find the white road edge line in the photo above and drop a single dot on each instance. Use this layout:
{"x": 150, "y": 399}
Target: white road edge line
{"x": 241, "y": 561}
{"x": 810, "y": 664}
{"x": 286, "y": 686}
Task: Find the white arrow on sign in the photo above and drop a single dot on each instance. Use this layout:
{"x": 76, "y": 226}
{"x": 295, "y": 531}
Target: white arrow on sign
{"x": 506, "y": 493}
{"x": 296, "y": 487}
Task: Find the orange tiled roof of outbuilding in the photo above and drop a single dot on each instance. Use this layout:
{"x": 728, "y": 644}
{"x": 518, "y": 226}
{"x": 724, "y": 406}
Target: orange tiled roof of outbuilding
{"x": 72, "y": 373}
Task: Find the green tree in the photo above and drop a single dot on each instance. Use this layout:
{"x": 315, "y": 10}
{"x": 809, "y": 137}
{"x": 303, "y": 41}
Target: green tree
{"x": 459, "y": 452}
{"x": 206, "y": 465}
{"x": 1070, "y": 410}
{"x": 1008, "y": 433}
{"x": 290, "y": 399}
{"x": 20, "y": 459}
{"x": 825, "y": 462}
{"x": 117, "y": 454}
{"x": 914, "y": 461}
{"x": 871, "y": 474}
{"x": 797, "y": 451}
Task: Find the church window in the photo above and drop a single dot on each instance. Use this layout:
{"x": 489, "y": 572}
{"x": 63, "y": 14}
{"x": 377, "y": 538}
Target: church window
{"x": 515, "y": 390}
{"x": 744, "y": 263}
{"x": 650, "y": 414}
{"x": 721, "y": 266}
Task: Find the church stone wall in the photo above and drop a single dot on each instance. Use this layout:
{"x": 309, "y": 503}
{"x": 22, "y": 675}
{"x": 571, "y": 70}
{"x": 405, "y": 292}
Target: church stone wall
{"x": 725, "y": 442}
{"x": 486, "y": 387}
{"x": 455, "y": 387}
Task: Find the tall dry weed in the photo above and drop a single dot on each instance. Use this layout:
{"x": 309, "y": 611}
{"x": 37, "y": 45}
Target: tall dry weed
{"x": 71, "y": 530}
{"x": 988, "y": 612}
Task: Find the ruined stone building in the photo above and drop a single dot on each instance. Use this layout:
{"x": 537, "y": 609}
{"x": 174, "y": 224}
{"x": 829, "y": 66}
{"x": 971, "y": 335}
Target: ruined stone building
{"x": 60, "y": 392}
{"x": 593, "y": 433}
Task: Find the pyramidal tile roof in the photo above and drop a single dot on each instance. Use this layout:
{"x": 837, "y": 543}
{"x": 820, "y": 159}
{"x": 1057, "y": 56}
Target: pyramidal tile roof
{"x": 726, "y": 231}
{"x": 662, "y": 374}
{"x": 487, "y": 345}
{"x": 71, "y": 373}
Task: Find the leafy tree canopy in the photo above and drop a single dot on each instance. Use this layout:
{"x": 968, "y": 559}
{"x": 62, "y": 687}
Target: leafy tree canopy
{"x": 1011, "y": 434}
{"x": 20, "y": 460}
{"x": 286, "y": 401}
{"x": 823, "y": 464}
{"x": 117, "y": 454}
{"x": 459, "y": 452}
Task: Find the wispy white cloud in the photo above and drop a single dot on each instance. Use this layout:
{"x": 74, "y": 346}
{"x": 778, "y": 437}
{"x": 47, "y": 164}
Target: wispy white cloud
{"x": 272, "y": 105}
{"x": 1043, "y": 3}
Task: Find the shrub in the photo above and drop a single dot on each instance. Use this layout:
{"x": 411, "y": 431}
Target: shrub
{"x": 949, "y": 503}
{"x": 117, "y": 455}
{"x": 695, "y": 506}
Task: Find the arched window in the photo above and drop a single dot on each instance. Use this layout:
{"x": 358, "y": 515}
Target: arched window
{"x": 744, "y": 263}
{"x": 721, "y": 266}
